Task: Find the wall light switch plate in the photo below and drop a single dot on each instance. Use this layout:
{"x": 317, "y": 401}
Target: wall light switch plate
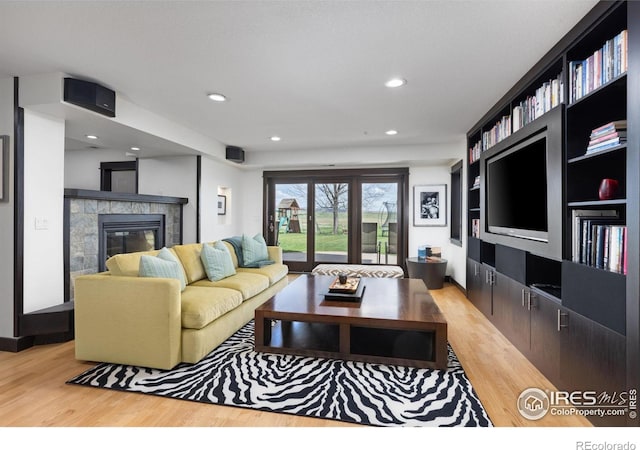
{"x": 42, "y": 223}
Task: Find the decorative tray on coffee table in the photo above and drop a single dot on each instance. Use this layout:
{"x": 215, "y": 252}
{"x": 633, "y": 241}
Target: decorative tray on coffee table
{"x": 352, "y": 290}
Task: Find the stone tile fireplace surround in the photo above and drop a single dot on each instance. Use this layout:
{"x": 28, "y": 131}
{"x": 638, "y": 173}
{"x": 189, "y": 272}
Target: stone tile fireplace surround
{"x": 84, "y": 208}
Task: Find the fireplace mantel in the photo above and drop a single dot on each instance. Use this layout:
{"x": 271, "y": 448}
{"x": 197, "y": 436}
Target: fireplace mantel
{"x": 123, "y": 197}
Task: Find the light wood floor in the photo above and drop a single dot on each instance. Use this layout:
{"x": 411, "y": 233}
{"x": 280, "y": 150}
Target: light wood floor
{"x": 33, "y": 390}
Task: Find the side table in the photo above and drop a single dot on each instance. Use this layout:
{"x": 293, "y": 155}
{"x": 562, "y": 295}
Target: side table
{"x": 431, "y": 271}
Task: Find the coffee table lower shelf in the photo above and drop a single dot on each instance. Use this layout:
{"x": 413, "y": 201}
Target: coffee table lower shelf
{"x": 382, "y": 342}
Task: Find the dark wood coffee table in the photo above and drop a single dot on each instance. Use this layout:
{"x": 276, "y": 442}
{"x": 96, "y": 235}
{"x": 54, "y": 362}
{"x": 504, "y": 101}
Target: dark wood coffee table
{"x": 396, "y": 322}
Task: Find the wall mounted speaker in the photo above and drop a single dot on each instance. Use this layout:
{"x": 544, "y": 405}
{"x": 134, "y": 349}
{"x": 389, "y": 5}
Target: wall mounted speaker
{"x": 91, "y": 96}
{"x": 235, "y": 154}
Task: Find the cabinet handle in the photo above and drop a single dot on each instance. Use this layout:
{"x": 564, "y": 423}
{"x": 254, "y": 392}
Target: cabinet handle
{"x": 476, "y": 270}
{"x": 522, "y": 296}
{"x": 529, "y": 300}
{"x": 560, "y": 325}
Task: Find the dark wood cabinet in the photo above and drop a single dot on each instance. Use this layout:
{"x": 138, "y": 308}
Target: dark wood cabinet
{"x": 593, "y": 359}
{"x": 548, "y": 326}
{"x": 512, "y": 311}
{"x": 480, "y": 286}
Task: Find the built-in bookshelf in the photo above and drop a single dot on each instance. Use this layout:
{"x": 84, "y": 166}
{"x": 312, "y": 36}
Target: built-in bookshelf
{"x": 593, "y": 72}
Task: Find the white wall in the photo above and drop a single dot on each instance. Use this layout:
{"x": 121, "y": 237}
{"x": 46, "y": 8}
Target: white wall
{"x": 244, "y": 200}
{"x": 6, "y": 215}
{"x": 439, "y": 236}
{"x": 174, "y": 177}
{"x": 43, "y": 210}
{"x": 82, "y": 167}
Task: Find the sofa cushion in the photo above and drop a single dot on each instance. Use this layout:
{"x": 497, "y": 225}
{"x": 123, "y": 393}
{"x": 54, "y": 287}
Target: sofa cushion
{"x": 275, "y": 272}
{"x": 155, "y": 267}
{"x": 201, "y": 306}
{"x": 189, "y": 255}
{"x": 127, "y": 264}
{"x": 217, "y": 261}
{"x": 254, "y": 250}
{"x": 249, "y": 284}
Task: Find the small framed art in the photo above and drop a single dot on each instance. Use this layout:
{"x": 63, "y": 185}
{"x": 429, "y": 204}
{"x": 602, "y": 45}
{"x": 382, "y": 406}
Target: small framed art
{"x": 430, "y": 205}
{"x": 222, "y": 205}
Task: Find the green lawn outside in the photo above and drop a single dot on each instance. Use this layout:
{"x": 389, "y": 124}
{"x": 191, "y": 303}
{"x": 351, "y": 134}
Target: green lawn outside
{"x": 326, "y": 241}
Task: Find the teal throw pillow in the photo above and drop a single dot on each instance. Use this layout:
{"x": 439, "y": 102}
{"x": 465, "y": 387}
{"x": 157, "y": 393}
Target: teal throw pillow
{"x": 254, "y": 250}
{"x": 217, "y": 261}
{"x": 166, "y": 254}
{"x": 152, "y": 266}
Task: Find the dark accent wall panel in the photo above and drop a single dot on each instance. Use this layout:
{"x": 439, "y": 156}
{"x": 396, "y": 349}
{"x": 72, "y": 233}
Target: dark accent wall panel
{"x": 18, "y": 204}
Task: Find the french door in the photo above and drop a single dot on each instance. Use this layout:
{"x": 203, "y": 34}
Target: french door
{"x": 348, "y": 216}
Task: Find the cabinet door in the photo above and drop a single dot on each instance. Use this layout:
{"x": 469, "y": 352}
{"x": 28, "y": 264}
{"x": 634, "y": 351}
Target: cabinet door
{"x": 502, "y": 309}
{"x": 547, "y": 324}
{"x": 593, "y": 359}
{"x": 485, "y": 299}
{"x": 519, "y": 325}
{"x": 511, "y": 311}
{"x": 474, "y": 283}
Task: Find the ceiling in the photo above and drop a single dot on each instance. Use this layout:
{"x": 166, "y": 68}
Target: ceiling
{"x": 312, "y": 72}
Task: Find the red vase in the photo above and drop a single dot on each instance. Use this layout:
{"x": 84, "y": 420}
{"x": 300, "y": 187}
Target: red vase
{"x": 608, "y": 189}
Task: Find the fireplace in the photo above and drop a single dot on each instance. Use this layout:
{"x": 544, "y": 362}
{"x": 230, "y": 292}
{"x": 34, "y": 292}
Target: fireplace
{"x": 128, "y": 233}
{"x": 128, "y": 222}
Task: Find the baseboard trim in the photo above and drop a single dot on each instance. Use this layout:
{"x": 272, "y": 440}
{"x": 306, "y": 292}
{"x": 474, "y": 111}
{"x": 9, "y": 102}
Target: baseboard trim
{"x": 456, "y": 284}
{"x": 16, "y": 344}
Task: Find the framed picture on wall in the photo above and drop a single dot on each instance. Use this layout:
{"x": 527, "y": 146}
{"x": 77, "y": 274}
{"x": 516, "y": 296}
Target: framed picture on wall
{"x": 222, "y": 205}
{"x": 4, "y": 168}
{"x": 430, "y": 205}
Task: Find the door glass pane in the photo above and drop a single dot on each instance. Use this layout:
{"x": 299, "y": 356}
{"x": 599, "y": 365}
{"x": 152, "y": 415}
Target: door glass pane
{"x": 331, "y": 222}
{"x": 379, "y": 242}
{"x": 291, "y": 220}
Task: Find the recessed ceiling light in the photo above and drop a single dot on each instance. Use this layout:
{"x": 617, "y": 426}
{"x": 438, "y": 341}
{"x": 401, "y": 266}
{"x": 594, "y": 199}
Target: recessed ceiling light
{"x": 395, "y": 82}
{"x": 275, "y": 138}
{"x": 91, "y": 136}
{"x": 217, "y": 97}
{"x": 135, "y": 149}
{"x": 391, "y": 132}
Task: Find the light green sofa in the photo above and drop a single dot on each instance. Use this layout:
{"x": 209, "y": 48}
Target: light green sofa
{"x": 123, "y": 318}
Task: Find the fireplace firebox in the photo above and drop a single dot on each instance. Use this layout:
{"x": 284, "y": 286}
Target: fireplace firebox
{"x": 128, "y": 233}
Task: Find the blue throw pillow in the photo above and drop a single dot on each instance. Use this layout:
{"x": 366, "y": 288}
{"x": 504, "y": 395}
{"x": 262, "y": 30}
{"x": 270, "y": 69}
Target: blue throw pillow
{"x": 217, "y": 261}
{"x": 166, "y": 254}
{"x": 254, "y": 250}
{"x": 152, "y": 266}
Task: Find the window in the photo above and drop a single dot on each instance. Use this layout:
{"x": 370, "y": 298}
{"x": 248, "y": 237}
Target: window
{"x": 456, "y": 204}
{"x": 120, "y": 176}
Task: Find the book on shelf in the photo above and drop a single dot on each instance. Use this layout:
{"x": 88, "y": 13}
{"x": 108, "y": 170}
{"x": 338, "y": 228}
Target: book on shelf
{"x": 500, "y": 131}
{"x": 577, "y": 215}
{"x": 597, "y": 69}
{"x": 607, "y": 136}
{"x": 608, "y": 127}
{"x": 475, "y": 228}
{"x": 605, "y": 145}
{"x": 546, "y": 97}
{"x": 603, "y": 243}
{"x": 474, "y": 152}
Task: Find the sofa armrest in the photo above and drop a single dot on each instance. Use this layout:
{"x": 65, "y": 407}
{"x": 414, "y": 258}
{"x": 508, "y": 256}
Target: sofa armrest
{"x": 128, "y": 320}
{"x": 275, "y": 253}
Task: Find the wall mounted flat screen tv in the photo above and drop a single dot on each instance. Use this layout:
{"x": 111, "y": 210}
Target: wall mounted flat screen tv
{"x": 516, "y": 183}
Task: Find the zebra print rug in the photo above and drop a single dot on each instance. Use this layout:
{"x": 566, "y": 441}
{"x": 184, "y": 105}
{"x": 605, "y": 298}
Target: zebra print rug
{"x": 372, "y": 394}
